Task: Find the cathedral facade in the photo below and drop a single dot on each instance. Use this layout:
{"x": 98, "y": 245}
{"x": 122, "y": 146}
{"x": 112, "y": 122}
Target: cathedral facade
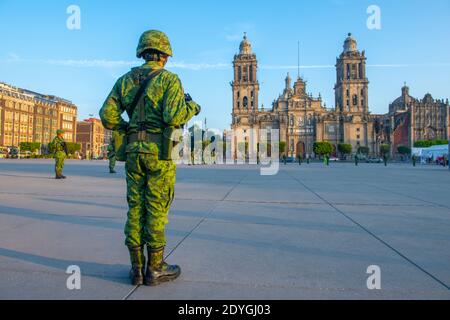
{"x": 301, "y": 118}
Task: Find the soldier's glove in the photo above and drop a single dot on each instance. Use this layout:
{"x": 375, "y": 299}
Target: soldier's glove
{"x": 187, "y": 97}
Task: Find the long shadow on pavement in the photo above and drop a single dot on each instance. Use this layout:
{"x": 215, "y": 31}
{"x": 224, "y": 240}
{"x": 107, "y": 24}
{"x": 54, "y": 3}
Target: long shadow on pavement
{"x": 116, "y": 272}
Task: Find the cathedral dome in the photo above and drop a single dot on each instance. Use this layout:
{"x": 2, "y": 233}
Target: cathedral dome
{"x": 245, "y": 47}
{"x": 350, "y": 44}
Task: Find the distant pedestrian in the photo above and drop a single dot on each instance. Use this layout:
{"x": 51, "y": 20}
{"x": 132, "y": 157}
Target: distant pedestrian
{"x": 112, "y": 154}
{"x": 299, "y": 160}
{"x": 414, "y": 160}
{"x": 356, "y": 160}
{"x": 385, "y": 160}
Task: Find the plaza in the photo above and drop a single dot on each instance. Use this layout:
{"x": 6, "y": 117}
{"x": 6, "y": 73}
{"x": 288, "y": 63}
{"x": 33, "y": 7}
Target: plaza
{"x": 309, "y": 232}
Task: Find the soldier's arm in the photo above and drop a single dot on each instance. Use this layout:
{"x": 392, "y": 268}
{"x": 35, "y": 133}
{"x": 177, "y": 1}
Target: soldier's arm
{"x": 111, "y": 112}
{"x": 177, "y": 111}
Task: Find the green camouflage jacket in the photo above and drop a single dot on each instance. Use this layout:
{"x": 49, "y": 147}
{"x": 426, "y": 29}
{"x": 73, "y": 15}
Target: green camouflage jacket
{"x": 58, "y": 144}
{"x": 164, "y": 101}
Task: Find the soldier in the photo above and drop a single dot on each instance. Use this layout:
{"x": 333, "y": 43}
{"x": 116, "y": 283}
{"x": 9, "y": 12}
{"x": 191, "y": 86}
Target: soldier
{"x": 299, "y": 159}
{"x": 414, "y": 160}
{"x": 385, "y": 159}
{"x": 356, "y": 159}
{"x": 154, "y": 101}
{"x": 60, "y": 153}
{"x": 112, "y": 155}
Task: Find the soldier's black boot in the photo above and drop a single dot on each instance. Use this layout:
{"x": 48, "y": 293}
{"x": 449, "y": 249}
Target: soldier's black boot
{"x": 137, "y": 258}
{"x": 159, "y": 271}
{"x": 112, "y": 171}
{"x": 58, "y": 177}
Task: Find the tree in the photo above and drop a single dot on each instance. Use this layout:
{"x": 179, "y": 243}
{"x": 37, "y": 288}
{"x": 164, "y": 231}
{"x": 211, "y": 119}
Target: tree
{"x": 385, "y": 149}
{"x": 429, "y": 143}
{"x": 282, "y": 147}
{"x": 30, "y": 146}
{"x": 363, "y": 150}
{"x": 73, "y": 147}
{"x": 404, "y": 151}
{"x": 345, "y": 149}
{"x": 323, "y": 148}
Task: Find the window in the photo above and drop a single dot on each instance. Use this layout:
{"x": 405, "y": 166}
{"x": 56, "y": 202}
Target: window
{"x": 245, "y": 102}
{"x": 239, "y": 73}
{"x": 355, "y": 100}
{"x": 251, "y": 73}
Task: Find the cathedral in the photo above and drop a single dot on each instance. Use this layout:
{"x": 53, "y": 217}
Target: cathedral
{"x": 303, "y": 119}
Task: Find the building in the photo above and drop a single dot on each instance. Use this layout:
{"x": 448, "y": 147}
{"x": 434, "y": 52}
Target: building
{"x": 91, "y": 137}
{"x": 27, "y": 116}
{"x": 301, "y": 118}
{"x": 412, "y": 120}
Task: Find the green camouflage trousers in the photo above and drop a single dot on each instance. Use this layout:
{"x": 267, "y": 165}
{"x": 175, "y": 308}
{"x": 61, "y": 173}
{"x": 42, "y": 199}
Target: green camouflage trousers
{"x": 112, "y": 162}
{"x": 150, "y": 191}
{"x": 59, "y": 162}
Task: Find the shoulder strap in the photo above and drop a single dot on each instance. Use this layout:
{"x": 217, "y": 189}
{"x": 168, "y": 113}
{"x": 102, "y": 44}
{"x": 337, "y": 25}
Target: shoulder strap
{"x": 140, "y": 93}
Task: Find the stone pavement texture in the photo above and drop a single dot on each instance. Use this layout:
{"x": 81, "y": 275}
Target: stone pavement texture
{"x": 309, "y": 232}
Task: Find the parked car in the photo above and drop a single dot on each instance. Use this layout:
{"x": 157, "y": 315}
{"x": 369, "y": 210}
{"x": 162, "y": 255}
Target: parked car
{"x": 374, "y": 160}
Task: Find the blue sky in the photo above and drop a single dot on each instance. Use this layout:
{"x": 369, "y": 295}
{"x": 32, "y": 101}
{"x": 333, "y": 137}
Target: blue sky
{"x": 38, "y": 52}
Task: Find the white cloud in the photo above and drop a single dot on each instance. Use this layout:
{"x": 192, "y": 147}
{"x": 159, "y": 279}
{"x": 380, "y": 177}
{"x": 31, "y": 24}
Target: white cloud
{"x": 103, "y": 63}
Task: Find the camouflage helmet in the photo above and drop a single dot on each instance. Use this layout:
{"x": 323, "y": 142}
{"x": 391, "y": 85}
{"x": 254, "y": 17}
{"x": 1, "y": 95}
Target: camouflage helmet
{"x": 59, "y": 132}
{"x": 156, "y": 40}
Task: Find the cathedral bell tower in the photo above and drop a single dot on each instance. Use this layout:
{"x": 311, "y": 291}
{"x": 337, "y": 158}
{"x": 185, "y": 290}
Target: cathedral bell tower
{"x": 351, "y": 89}
{"x": 245, "y": 85}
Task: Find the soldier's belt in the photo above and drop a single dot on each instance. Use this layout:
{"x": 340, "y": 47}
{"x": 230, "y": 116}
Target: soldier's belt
{"x": 143, "y": 136}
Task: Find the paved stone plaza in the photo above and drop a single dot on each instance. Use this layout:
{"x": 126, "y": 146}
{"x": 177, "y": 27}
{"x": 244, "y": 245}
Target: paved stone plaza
{"x": 309, "y": 232}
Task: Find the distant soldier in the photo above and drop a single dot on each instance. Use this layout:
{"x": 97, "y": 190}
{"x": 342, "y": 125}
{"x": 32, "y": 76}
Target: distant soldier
{"x": 60, "y": 153}
{"x": 155, "y": 103}
{"x": 385, "y": 159}
{"x": 414, "y": 160}
{"x": 112, "y": 155}
{"x": 356, "y": 159}
{"x": 284, "y": 159}
{"x": 299, "y": 160}
{"x": 327, "y": 159}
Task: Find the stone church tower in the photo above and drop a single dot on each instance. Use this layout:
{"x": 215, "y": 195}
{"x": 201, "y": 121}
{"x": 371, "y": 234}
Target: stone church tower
{"x": 245, "y": 86}
{"x": 351, "y": 97}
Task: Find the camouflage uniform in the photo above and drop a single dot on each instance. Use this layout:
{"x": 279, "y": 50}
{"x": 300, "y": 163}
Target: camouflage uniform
{"x": 112, "y": 155}
{"x": 150, "y": 180}
{"x": 59, "y": 154}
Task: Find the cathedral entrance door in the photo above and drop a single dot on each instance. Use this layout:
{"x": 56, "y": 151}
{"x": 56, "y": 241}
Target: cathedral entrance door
{"x": 301, "y": 150}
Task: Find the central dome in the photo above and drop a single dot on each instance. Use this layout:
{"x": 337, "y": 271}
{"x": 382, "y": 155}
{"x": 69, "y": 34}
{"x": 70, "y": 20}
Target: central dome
{"x": 245, "y": 47}
{"x": 350, "y": 44}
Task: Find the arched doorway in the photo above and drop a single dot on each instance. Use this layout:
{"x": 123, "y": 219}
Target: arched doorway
{"x": 300, "y": 150}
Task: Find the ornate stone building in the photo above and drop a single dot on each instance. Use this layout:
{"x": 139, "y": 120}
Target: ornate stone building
{"x": 27, "y": 116}
{"x": 412, "y": 119}
{"x": 301, "y": 118}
